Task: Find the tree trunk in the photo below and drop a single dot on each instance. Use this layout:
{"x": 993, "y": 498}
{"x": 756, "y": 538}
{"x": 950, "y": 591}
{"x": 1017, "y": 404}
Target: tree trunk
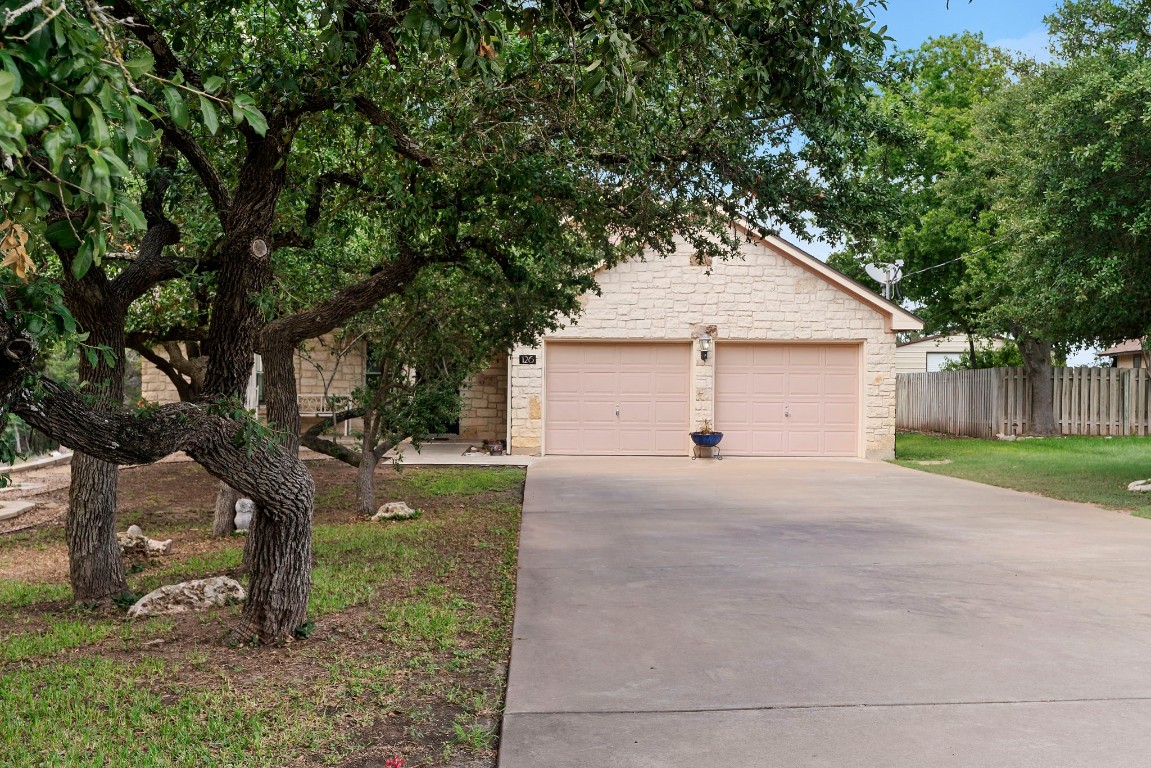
{"x": 972, "y": 364}
{"x": 279, "y": 557}
{"x": 366, "y": 483}
{"x": 1037, "y": 364}
{"x": 224, "y": 521}
{"x": 95, "y": 566}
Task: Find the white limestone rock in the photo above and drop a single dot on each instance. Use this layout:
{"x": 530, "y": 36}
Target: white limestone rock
{"x": 1007, "y": 438}
{"x": 134, "y": 544}
{"x": 244, "y": 510}
{"x": 188, "y": 596}
{"x": 395, "y": 510}
{"x": 1140, "y": 486}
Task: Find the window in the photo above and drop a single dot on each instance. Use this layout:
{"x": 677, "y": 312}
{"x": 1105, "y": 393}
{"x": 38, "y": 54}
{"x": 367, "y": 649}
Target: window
{"x": 936, "y": 360}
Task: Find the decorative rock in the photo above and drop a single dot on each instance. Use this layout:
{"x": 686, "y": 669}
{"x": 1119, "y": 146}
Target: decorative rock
{"x": 1007, "y": 438}
{"x": 135, "y": 545}
{"x": 395, "y": 510}
{"x": 1141, "y": 486}
{"x": 244, "y": 510}
{"x": 187, "y": 596}
{"x": 939, "y": 463}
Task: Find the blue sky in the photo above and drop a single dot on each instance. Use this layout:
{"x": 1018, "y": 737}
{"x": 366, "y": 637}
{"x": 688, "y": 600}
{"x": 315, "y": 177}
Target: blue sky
{"x": 1013, "y": 24}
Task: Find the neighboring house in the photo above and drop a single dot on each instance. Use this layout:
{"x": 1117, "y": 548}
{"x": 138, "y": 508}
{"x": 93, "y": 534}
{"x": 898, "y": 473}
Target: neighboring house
{"x": 931, "y": 353}
{"x": 1129, "y": 354}
{"x": 802, "y": 361}
{"x": 328, "y": 370}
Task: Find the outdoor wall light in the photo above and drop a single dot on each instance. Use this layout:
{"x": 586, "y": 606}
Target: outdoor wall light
{"x": 704, "y": 346}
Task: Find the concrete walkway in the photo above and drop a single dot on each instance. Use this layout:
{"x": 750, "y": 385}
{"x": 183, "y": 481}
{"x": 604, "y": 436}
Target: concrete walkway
{"x": 792, "y": 613}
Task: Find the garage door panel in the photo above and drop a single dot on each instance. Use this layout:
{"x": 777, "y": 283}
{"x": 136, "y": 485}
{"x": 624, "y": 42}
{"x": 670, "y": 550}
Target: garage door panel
{"x": 841, "y": 356}
{"x": 766, "y": 414}
{"x": 587, "y": 382}
{"x": 803, "y": 356}
{"x": 839, "y": 414}
{"x": 804, "y": 443}
{"x": 764, "y": 356}
{"x": 818, "y": 385}
{"x": 840, "y": 443}
{"x": 843, "y": 385}
{"x": 767, "y": 383}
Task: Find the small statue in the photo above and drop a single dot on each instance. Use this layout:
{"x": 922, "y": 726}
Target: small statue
{"x": 244, "y": 510}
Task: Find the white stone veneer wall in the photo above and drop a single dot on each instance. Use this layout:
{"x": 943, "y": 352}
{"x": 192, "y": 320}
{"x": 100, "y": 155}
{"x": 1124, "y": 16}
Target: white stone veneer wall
{"x": 764, "y": 297}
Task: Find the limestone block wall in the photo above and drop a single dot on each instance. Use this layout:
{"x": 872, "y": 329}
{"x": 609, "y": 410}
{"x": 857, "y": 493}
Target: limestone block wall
{"x": 763, "y": 297}
{"x": 484, "y": 403}
{"x": 333, "y": 364}
{"x": 155, "y": 387}
{"x": 329, "y": 365}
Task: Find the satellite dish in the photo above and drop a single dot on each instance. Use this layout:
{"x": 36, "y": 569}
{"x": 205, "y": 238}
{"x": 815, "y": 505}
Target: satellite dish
{"x": 875, "y": 273}
{"x": 886, "y": 274}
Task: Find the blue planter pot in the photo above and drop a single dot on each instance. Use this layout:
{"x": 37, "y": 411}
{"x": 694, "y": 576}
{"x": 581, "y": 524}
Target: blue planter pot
{"x": 706, "y": 441}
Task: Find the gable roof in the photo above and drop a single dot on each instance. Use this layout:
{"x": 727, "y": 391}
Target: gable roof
{"x": 1129, "y": 347}
{"x": 898, "y": 318}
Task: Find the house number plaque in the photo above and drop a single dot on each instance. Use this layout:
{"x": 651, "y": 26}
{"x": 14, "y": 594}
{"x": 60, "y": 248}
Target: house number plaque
{"x": 527, "y": 359}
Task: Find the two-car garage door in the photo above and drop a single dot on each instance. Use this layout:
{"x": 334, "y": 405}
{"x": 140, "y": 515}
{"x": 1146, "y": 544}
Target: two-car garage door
{"x": 634, "y": 399}
{"x": 617, "y": 399}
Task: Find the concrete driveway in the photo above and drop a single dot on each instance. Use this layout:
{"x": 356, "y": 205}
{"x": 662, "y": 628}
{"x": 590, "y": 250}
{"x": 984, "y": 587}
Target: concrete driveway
{"x": 798, "y": 613}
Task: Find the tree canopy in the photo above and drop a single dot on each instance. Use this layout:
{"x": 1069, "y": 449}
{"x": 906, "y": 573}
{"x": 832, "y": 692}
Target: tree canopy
{"x": 265, "y": 172}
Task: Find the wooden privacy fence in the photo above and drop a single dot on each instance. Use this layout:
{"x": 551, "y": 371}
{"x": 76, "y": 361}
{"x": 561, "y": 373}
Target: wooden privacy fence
{"x": 991, "y": 401}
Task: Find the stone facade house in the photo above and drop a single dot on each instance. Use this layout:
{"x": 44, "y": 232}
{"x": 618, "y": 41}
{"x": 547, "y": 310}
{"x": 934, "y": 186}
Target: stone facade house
{"x": 328, "y": 370}
{"x": 801, "y": 361}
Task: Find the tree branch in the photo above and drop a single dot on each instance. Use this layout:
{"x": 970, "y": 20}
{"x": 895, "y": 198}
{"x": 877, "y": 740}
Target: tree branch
{"x": 213, "y": 183}
{"x": 311, "y": 438}
{"x": 344, "y": 304}
{"x": 167, "y": 63}
{"x": 405, "y": 146}
{"x": 183, "y": 387}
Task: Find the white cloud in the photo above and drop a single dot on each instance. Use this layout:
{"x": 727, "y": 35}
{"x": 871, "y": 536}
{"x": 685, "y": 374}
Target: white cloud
{"x": 1036, "y": 44}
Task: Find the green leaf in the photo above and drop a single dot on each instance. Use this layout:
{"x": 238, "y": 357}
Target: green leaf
{"x": 211, "y": 120}
{"x": 60, "y": 234}
{"x": 98, "y": 132}
{"x": 130, "y": 213}
{"x": 55, "y": 145}
{"x": 213, "y": 84}
{"x": 177, "y": 109}
{"x": 7, "y": 85}
{"x": 415, "y": 19}
{"x": 83, "y": 260}
{"x": 140, "y": 65}
{"x": 256, "y": 119}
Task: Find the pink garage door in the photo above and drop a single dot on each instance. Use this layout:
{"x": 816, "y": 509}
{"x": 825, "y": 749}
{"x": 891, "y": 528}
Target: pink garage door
{"x": 787, "y": 399}
{"x": 617, "y": 399}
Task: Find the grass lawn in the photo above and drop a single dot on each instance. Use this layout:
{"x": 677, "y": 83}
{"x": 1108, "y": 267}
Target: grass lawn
{"x": 1090, "y": 469}
{"x": 408, "y": 655}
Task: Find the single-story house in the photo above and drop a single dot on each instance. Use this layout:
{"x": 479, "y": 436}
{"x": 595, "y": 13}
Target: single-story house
{"x": 1129, "y": 354}
{"x": 931, "y": 353}
{"x": 782, "y": 353}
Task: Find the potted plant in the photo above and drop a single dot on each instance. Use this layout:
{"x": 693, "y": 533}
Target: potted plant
{"x": 706, "y": 437}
